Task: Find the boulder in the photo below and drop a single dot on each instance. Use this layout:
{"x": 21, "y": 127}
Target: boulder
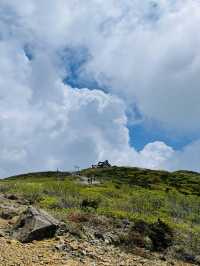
{"x": 34, "y": 224}
{"x": 11, "y": 196}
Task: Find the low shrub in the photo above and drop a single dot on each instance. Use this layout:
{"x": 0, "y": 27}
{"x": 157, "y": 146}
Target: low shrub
{"x": 87, "y": 203}
{"x": 78, "y": 217}
{"x": 161, "y": 235}
{"x": 49, "y": 202}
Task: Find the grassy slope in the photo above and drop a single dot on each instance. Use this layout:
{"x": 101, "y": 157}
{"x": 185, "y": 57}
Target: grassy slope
{"x": 132, "y": 193}
{"x": 39, "y": 175}
{"x": 186, "y": 182}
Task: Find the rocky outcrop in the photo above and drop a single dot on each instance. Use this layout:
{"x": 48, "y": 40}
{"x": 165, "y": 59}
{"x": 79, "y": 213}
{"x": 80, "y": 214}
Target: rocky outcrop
{"x": 34, "y": 224}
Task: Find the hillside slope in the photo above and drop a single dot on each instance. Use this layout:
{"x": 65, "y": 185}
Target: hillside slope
{"x": 183, "y": 181}
{"x": 68, "y": 249}
{"x": 165, "y": 205}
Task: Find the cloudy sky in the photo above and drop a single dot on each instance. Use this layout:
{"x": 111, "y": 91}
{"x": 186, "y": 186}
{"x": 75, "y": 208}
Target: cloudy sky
{"x": 89, "y": 80}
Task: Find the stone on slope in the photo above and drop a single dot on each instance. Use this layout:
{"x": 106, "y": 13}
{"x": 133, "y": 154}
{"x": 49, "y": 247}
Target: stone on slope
{"x": 8, "y": 212}
{"x": 34, "y": 224}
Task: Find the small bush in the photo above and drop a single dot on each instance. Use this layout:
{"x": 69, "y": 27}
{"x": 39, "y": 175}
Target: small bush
{"x": 78, "y": 217}
{"x": 133, "y": 239}
{"x": 33, "y": 197}
{"x": 87, "y": 203}
{"x": 69, "y": 202}
{"x": 161, "y": 235}
{"x": 49, "y": 202}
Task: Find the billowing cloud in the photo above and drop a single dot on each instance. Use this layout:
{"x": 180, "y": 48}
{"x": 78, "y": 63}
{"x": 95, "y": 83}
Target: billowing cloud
{"x": 151, "y": 58}
{"x": 144, "y": 55}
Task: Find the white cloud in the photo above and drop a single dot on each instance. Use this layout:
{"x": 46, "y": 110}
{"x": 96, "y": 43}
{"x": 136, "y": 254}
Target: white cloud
{"x": 187, "y": 158}
{"x": 155, "y": 64}
{"x": 156, "y": 155}
{"x": 146, "y": 53}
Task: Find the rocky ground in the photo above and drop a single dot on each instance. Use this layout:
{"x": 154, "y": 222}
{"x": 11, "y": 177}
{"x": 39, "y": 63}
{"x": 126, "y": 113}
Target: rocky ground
{"x": 65, "y": 249}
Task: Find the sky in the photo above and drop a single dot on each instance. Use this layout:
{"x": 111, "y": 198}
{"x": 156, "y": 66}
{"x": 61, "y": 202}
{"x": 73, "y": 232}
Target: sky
{"x": 89, "y": 80}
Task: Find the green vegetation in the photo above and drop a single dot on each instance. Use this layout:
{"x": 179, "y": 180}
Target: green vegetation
{"x": 133, "y": 193}
{"x": 186, "y": 182}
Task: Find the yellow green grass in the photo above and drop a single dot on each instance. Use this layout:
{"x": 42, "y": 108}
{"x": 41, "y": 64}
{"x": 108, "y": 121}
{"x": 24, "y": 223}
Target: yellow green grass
{"x": 131, "y": 193}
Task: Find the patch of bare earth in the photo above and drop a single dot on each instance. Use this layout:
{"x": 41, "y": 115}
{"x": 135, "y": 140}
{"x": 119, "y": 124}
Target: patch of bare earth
{"x": 77, "y": 252}
{"x": 67, "y": 250}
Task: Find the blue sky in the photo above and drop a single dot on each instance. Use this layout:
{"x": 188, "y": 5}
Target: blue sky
{"x": 141, "y": 135}
{"x": 83, "y": 81}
